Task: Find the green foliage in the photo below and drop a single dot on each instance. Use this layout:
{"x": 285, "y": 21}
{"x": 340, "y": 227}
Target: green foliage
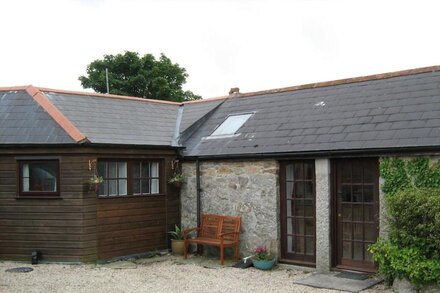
{"x": 405, "y": 262}
{"x": 176, "y": 178}
{"x": 401, "y": 174}
{"x": 177, "y": 233}
{"x": 414, "y": 217}
{"x": 144, "y": 77}
{"x": 412, "y": 189}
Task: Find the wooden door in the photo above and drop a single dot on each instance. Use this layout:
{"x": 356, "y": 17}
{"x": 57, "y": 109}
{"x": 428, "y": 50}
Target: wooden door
{"x": 356, "y": 210}
{"x": 297, "y": 190}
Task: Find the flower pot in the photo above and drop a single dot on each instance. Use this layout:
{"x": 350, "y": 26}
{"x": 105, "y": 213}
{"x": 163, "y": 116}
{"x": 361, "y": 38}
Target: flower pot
{"x": 177, "y": 184}
{"x": 264, "y": 264}
{"x": 177, "y": 246}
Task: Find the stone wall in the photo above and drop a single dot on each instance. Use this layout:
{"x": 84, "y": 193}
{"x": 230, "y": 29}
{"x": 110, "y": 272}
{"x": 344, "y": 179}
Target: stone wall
{"x": 248, "y": 189}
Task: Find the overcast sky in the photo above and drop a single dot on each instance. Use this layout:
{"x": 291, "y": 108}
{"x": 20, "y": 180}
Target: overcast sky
{"x": 254, "y": 45}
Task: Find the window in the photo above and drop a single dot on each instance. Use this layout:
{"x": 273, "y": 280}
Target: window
{"x": 115, "y": 178}
{"x": 145, "y": 178}
{"x": 231, "y": 124}
{"x": 128, "y": 178}
{"x": 39, "y": 177}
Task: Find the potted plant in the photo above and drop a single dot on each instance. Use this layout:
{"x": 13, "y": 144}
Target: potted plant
{"x": 177, "y": 244}
{"x": 262, "y": 258}
{"x": 94, "y": 182}
{"x": 176, "y": 180}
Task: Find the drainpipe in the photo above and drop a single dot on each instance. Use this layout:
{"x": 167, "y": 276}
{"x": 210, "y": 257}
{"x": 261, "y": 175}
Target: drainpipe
{"x": 199, "y": 190}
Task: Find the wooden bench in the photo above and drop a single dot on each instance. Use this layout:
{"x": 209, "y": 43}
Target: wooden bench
{"x": 216, "y": 230}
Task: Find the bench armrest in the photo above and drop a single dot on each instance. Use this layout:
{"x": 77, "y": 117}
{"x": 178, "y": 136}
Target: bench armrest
{"x": 187, "y": 231}
{"x": 221, "y": 235}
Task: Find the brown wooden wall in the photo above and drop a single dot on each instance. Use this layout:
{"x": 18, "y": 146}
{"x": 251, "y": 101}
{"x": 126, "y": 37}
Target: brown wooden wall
{"x": 78, "y": 226}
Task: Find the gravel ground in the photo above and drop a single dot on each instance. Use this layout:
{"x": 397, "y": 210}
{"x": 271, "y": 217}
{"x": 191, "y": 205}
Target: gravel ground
{"x": 148, "y": 276}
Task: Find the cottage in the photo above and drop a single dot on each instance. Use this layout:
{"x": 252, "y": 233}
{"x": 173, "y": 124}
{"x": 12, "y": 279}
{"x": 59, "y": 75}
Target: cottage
{"x": 300, "y": 165}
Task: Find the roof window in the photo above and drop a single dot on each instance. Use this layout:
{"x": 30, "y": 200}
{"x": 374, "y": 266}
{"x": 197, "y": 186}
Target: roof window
{"x": 231, "y": 124}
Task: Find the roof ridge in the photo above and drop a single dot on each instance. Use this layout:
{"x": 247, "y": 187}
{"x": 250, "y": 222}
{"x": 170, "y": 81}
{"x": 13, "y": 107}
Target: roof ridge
{"x": 372, "y": 77}
{"x": 80, "y": 93}
{"x": 56, "y": 114}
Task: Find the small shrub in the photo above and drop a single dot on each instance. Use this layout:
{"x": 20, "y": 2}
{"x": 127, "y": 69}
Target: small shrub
{"x": 413, "y": 250}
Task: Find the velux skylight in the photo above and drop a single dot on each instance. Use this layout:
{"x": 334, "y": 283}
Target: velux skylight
{"x": 231, "y": 124}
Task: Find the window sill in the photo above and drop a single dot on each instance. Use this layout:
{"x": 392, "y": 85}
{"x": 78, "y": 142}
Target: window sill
{"x": 38, "y": 197}
{"x": 131, "y": 196}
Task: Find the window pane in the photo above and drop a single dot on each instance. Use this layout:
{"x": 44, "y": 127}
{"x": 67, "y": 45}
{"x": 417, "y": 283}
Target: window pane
{"x": 357, "y": 232}
{"x": 358, "y": 251}
{"x": 145, "y": 170}
{"x": 102, "y": 169}
{"x": 231, "y": 124}
{"x": 25, "y": 177}
{"x": 122, "y": 186}
{"x": 113, "y": 187}
{"x": 155, "y": 169}
{"x": 289, "y": 172}
{"x": 310, "y": 227}
{"x": 122, "y": 168}
{"x": 310, "y": 246}
{"x": 136, "y": 170}
{"x": 299, "y": 209}
{"x": 368, "y": 193}
{"x": 308, "y": 189}
{"x": 112, "y": 169}
{"x": 136, "y": 186}
{"x": 299, "y": 247}
{"x": 40, "y": 176}
{"x": 308, "y": 171}
{"x": 145, "y": 186}
{"x": 290, "y": 226}
{"x": 289, "y": 189}
{"x": 298, "y": 172}
{"x": 346, "y": 193}
{"x": 346, "y": 249}
{"x": 357, "y": 173}
{"x": 308, "y": 208}
{"x": 299, "y": 189}
{"x": 357, "y": 193}
{"x": 154, "y": 186}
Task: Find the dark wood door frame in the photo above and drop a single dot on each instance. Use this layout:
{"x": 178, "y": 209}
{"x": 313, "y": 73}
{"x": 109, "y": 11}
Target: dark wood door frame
{"x": 336, "y": 250}
{"x": 286, "y": 256}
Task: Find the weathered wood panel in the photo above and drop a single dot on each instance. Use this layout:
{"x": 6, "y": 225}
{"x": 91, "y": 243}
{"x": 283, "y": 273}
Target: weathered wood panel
{"x": 53, "y": 226}
{"x": 131, "y": 225}
{"x": 78, "y": 226}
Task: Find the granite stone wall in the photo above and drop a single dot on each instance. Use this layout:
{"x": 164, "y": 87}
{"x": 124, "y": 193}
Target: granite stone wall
{"x": 248, "y": 189}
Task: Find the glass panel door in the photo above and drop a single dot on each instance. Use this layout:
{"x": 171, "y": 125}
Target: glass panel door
{"x": 297, "y": 186}
{"x": 356, "y": 212}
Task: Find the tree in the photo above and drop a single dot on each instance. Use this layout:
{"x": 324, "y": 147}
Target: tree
{"x": 143, "y": 77}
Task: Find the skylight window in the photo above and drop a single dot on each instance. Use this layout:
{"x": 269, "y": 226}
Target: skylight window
{"x": 231, "y": 124}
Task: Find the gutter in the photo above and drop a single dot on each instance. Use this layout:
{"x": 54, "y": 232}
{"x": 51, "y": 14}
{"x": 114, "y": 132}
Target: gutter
{"x": 334, "y": 153}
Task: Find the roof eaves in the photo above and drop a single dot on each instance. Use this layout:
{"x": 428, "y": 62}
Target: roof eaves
{"x": 56, "y": 114}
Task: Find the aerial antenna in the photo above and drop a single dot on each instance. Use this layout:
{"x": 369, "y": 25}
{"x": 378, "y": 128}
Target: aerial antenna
{"x": 106, "y": 80}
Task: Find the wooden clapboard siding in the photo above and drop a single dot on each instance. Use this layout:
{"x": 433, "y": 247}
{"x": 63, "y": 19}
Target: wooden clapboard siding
{"x": 78, "y": 226}
{"x": 53, "y": 226}
{"x": 131, "y": 224}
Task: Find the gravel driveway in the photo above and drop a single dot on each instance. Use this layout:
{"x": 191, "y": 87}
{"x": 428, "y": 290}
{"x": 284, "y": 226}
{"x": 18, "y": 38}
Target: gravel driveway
{"x": 167, "y": 275}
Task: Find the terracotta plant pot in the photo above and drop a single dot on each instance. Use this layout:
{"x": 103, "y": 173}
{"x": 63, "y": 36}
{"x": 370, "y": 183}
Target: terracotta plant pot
{"x": 264, "y": 264}
{"x": 177, "y": 246}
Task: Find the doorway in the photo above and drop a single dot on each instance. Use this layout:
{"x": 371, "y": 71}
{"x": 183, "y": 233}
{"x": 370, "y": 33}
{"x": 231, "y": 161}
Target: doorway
{"x": 355, "y": 212}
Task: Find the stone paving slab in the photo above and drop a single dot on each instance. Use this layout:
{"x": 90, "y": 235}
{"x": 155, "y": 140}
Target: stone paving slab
{"x": 330, "y": 281}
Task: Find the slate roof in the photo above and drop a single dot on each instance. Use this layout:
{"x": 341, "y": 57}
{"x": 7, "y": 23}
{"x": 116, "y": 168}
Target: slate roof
{"x": 23, "y": 121}
{"x": 106, "y": 120}
{"x": 389, "y": 111}
{"x": 385, "y": 111}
